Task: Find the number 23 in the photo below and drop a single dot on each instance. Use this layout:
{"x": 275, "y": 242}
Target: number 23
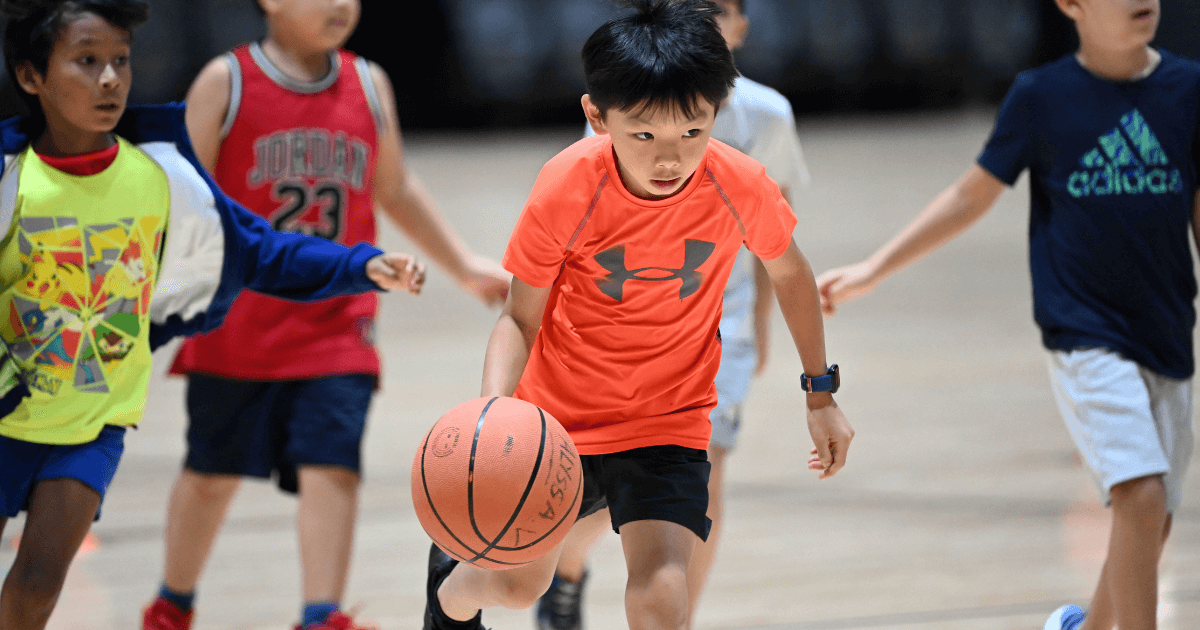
{"x": 288, "y": 217}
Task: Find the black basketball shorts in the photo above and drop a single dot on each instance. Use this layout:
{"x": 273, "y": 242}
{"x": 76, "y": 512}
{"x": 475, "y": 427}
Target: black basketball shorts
{"x": 661, "y": 483}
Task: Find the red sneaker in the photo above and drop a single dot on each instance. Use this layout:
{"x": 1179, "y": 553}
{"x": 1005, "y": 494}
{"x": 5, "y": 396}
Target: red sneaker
{"x": 163, "y": 615}
{"x": 338, "y": 620}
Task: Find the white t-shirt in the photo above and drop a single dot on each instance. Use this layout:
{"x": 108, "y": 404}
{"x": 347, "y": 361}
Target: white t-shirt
{"x": 759, "y": 122}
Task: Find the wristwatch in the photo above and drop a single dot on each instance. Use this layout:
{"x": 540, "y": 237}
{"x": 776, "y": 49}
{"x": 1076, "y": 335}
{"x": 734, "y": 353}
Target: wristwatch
{"x": 828, "y": 383}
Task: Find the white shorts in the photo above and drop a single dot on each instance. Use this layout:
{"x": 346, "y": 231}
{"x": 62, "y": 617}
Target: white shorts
{"x": 1127, "y": 421}
{"x": 738, "y": 361}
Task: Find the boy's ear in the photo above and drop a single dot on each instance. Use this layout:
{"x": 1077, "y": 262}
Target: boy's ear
{"x": 594, "y": 117}
{"x": 1070, "y": 8}
{"x": 29, "y": 78}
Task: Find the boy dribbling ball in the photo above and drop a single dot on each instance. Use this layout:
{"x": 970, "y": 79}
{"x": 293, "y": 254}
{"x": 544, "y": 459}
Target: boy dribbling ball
{"x": 1111, "y": 138}
{"x": 759, "y": 122}
{"x": 116, "y": 241}
{"x": 620, "y": 260}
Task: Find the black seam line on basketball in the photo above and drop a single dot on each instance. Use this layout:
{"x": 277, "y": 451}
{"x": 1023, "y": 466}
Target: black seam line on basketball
{"x": 471, "y": 474}
{"x": 544, "y": 536}
{"x": 578, "y": 491}
{"x": 471, "y": 471}
{"x": 429, "y": 500}
{"x": 537, "y": 466}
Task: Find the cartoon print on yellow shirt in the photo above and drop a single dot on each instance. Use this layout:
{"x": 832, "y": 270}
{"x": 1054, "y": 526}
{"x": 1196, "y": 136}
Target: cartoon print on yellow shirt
{"x": 83, "y": 296}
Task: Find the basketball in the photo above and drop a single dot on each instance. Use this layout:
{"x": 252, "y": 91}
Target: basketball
{"x": 496, "y": 482}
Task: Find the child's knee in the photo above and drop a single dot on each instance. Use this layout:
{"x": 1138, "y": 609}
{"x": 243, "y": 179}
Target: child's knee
{"x": 518, "y": 594}
{"x": 659, "y": 600}
{"x": 1145, "y": 495}
{"x": 664, "y": 588}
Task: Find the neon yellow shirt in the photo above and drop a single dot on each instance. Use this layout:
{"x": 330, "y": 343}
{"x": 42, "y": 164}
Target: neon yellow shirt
{"x": 77, "y": 272}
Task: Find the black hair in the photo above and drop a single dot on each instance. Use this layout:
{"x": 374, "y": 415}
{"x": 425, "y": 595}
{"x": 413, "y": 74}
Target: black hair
{"x": 32, "y": 26}
{"x": 667, "y": 53}
{"x": 258, "y": 5}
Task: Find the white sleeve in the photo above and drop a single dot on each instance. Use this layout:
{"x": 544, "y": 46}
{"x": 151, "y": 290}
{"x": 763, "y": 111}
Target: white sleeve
{"x": 778, "y": 149}
{"x": 194, "y": 254}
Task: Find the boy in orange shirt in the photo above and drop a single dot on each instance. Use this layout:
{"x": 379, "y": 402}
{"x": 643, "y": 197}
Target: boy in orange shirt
{"x": 620, "y": 260}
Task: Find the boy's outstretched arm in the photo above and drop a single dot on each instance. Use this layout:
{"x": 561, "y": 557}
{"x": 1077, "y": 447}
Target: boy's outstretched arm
{"x": 796, "y": 292}
{"x": 512, "y": 339}
{"x": 410, "y": 207}
{"x": 955, "y": 209}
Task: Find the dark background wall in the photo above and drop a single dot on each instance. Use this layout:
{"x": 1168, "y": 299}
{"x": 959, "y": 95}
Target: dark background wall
{"x": 481, "y": 63}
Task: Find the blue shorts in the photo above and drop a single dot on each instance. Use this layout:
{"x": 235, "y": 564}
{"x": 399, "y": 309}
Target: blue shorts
{"x": 268, "y": 428}
{"x": 26, "y": 463}
{"x": 738, "y": 361}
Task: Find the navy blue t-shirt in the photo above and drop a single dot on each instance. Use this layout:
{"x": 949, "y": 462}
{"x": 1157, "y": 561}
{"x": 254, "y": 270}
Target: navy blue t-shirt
{"x": 1112, "y": 174}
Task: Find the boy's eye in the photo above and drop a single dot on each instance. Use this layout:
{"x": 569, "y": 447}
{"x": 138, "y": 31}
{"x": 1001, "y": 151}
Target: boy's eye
{"x": 644, "y": 135}
{"x": 121, "y": 60}
{"x": 87, "y": 60}
{"x": 691, "y": 133}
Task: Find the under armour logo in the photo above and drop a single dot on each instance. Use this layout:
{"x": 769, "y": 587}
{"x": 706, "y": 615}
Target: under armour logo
{"x": 613, "y": 260}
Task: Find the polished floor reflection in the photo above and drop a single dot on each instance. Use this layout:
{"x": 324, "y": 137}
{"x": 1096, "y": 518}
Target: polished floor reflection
{"x": 963, "y": 505}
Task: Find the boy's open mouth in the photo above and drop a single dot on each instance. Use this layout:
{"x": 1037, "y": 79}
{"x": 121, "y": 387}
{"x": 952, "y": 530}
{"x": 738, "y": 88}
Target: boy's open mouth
{"x": 108, "y": 107}
{"x": 664, "y": 184}
{"x": 1143, "y": 14}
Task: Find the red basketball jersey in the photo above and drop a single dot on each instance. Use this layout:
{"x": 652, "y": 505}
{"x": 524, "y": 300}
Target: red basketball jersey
{"x": 303, "y": 156}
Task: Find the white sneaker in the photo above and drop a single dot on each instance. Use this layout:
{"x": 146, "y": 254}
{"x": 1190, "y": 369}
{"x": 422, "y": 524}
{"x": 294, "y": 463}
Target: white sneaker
{"x": 1065, "y": 618}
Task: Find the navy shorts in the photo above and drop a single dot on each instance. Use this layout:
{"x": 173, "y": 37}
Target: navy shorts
{"x": 660, "y": 483}
{"x": 26, "y": 463}
{"x": 268, "y": 428}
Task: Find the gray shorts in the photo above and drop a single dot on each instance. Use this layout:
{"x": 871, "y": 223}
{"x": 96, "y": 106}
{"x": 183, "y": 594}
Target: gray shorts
{"x": 738, "y": 361}
{"x": 1127, "y": 421}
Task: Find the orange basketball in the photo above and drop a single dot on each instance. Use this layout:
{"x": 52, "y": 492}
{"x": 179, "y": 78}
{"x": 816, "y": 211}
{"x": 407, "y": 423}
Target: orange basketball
{"x": 496, "y": 482}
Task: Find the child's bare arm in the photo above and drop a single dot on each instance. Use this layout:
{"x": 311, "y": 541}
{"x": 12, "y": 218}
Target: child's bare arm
{"x": 207, "y": 104}
{"x": 796, "y": 291}
{"x": 1196, "y": 219}
{"x": 410, "y": 207}
{"x": 951, "y": 212}
{"x": 764, "y": 299}
{"x": 512, "y": 338}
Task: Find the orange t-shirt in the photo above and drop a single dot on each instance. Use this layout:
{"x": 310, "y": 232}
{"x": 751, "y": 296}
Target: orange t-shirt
{"x": 628, "y": 347}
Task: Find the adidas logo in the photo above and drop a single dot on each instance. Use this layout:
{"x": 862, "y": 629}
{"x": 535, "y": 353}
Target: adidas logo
{"x": 1129, "y": 161}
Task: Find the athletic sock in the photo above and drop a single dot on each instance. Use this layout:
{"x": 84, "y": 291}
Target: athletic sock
{"x": 316, "y": 612}
{"x": 183, "y": 601}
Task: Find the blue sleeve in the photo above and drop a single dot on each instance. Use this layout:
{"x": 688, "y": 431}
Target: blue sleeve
{"x": 289, "y": 265}
{"x": 1009, "y": 150}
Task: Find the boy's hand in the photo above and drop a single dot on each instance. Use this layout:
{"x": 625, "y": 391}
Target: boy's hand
{"x": 831, "y": 434}
{"x": 844, "y": 283}
{"x": 486, "y": 280}
{"x": 397, "y": 272}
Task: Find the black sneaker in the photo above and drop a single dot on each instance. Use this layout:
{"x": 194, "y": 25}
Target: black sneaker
{"x": 440, "y": 566}
{"x": 561, "y": 607}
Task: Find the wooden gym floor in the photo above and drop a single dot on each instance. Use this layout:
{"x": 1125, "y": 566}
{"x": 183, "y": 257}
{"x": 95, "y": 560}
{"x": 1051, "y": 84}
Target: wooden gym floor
{"x": 963, "y": 505}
